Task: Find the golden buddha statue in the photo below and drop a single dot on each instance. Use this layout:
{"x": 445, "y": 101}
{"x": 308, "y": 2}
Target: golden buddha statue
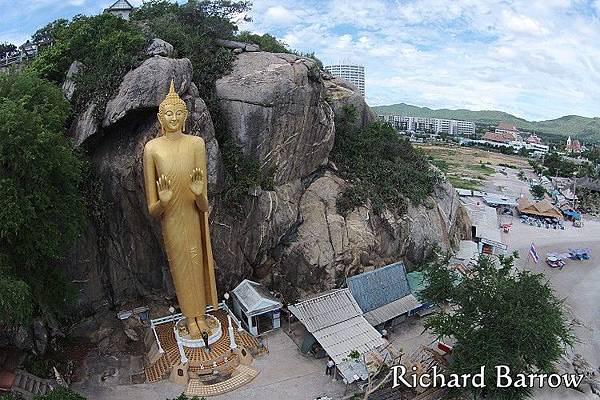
{"x": 176, "y": 190}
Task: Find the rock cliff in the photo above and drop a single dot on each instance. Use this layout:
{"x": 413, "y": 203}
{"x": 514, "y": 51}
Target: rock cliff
{"x": 280, "y": 109}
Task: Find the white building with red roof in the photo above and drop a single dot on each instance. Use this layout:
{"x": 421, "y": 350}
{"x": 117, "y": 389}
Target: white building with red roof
{"x": 534, "y": 139}
{"x": 509, "y": 130}
{"x": 573, "y": 146}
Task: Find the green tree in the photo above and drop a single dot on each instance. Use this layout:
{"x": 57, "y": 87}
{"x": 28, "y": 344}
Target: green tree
{"x": 6, "y": 49}
{"x": 556, "y": 165}
{"x": 498, "y": 316}
{"x": 523, "y": 152}
{"x": 537, "y": 191}
{"x": 106, "y": 45}
{"x": 49, "y": 31}
{"x": 381, "y": 167}
{"x": 41, "y": 207}
{"x": 60, "y": 393}
{"x": 266, "y": 42}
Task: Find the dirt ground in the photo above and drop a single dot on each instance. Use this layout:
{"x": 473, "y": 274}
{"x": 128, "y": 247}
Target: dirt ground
{"x": 470, "y": 168}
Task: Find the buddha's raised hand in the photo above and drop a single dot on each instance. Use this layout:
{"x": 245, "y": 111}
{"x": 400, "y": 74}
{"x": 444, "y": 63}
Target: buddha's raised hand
{"x": 164, "y": 189}
{"x": 197, "y": 184}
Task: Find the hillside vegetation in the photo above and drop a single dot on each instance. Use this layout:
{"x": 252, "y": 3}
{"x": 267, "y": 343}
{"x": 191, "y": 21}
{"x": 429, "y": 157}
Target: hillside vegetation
{"x": 587, "y": 129}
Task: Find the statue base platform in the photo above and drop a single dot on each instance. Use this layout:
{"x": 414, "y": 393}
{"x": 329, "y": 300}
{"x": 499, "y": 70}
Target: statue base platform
{"x": 201, "y": 366}
{"x": 215, "y": 332}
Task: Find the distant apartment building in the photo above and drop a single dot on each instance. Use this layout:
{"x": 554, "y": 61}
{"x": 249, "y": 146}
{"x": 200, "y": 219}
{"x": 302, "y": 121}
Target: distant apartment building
{"x": 352, "y": 73}
{"x": 425, "y": 124}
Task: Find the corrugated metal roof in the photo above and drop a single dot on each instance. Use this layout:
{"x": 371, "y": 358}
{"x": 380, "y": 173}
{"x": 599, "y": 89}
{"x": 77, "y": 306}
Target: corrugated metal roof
{"x": 255, "y": 298}
{"x": 337, "y": 323}
{"x": 392, "y": 310}
{"x": 326, "y": 310}
{"x": 351, "y": 368}
{"x": 379, "y": 287}
{"x": 353, "y": 334}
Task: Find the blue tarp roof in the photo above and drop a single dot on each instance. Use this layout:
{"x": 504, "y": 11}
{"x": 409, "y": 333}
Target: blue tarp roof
{"x": 572, "y": 213}
{"x": 377, "y": 288}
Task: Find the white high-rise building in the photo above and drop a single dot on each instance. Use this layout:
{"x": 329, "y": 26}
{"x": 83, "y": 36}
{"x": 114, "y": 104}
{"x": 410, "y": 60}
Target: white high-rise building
{"x": 437, "y": 125}
{"x": 352, "y": 73}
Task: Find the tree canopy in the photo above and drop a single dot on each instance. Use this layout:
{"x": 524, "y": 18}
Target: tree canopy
{"x": 381, "y": 166}
{"x": 106, "y": 46}
{"x": 538, "y": 192}
{"x": 497, "y": 316}
{"x": 41, "y": 206}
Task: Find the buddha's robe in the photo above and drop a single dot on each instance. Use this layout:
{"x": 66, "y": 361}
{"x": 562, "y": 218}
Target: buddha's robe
{"x": 184, "y": 219}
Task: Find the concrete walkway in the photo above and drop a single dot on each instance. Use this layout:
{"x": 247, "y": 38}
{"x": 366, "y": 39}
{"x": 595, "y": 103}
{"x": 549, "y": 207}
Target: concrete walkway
{"x": 284, "y": 374}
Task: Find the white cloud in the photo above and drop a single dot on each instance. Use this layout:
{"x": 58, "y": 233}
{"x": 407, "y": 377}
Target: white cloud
{"x": 534, "y": 58}
{"x": 522, "y": 24}
{"x": 280, "y": 15}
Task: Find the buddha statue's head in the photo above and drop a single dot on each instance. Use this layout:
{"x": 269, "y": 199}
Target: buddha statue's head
{"x": 172, "y": 112}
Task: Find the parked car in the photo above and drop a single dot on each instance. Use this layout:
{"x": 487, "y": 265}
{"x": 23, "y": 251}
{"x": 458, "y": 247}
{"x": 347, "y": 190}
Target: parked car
{"x": 555, "y": 262}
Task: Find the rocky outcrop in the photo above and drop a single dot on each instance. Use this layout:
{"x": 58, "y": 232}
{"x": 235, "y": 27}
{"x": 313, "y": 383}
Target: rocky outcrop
{"x": 275, "y": 108}
{"x": 326, "y": 247}
{"x": 68, "y": 86}
{"x": 341, "y": 93}
{"x": 144, "y": 87}
{"x": 279, "y": 109}
{"x": 159, "y": 47}
{"x": 239, "y": 46}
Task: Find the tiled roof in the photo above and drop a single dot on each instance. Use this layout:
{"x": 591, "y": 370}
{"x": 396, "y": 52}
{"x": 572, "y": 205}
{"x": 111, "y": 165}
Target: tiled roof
{"x": 505, "y": 126}
{"x": 533, "y": 138}
{"x": 379, "y": 287}
{"x": 498, "y": 137}
{"x": 255, "y": 298}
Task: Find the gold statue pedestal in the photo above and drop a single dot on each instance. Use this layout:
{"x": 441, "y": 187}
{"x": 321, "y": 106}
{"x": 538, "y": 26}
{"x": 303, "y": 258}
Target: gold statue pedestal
{"x": 186, "y": 340}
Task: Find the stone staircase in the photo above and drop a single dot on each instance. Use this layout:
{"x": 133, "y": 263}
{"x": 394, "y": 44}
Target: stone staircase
{"x": 240, "y": 376}
{"x": 28, "y": 385}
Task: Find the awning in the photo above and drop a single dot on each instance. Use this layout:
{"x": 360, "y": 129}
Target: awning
{"x": 392, "y": 310}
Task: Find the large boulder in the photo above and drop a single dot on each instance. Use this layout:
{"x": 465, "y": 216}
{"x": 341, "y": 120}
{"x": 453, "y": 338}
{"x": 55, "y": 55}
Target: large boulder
{"x": 159, "y": 47}
{"x": 274, "y": 106}
{"x": 146, "y": 86}
{"x": 142, "y": 88}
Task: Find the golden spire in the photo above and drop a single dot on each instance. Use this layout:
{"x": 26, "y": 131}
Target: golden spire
{"x": 172, "y": 98}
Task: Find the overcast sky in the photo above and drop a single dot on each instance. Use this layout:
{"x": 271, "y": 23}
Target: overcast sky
{"x": 535, "y": 59}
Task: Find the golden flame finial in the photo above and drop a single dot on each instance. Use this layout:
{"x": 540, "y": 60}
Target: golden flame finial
{"x": 172, "y": 98}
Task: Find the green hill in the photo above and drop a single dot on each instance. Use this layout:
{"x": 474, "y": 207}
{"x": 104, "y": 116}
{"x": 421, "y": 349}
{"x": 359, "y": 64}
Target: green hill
{"x": 586, "y": 129}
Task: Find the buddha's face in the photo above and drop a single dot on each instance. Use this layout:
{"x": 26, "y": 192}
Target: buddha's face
{"x": 172, "y": 117}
